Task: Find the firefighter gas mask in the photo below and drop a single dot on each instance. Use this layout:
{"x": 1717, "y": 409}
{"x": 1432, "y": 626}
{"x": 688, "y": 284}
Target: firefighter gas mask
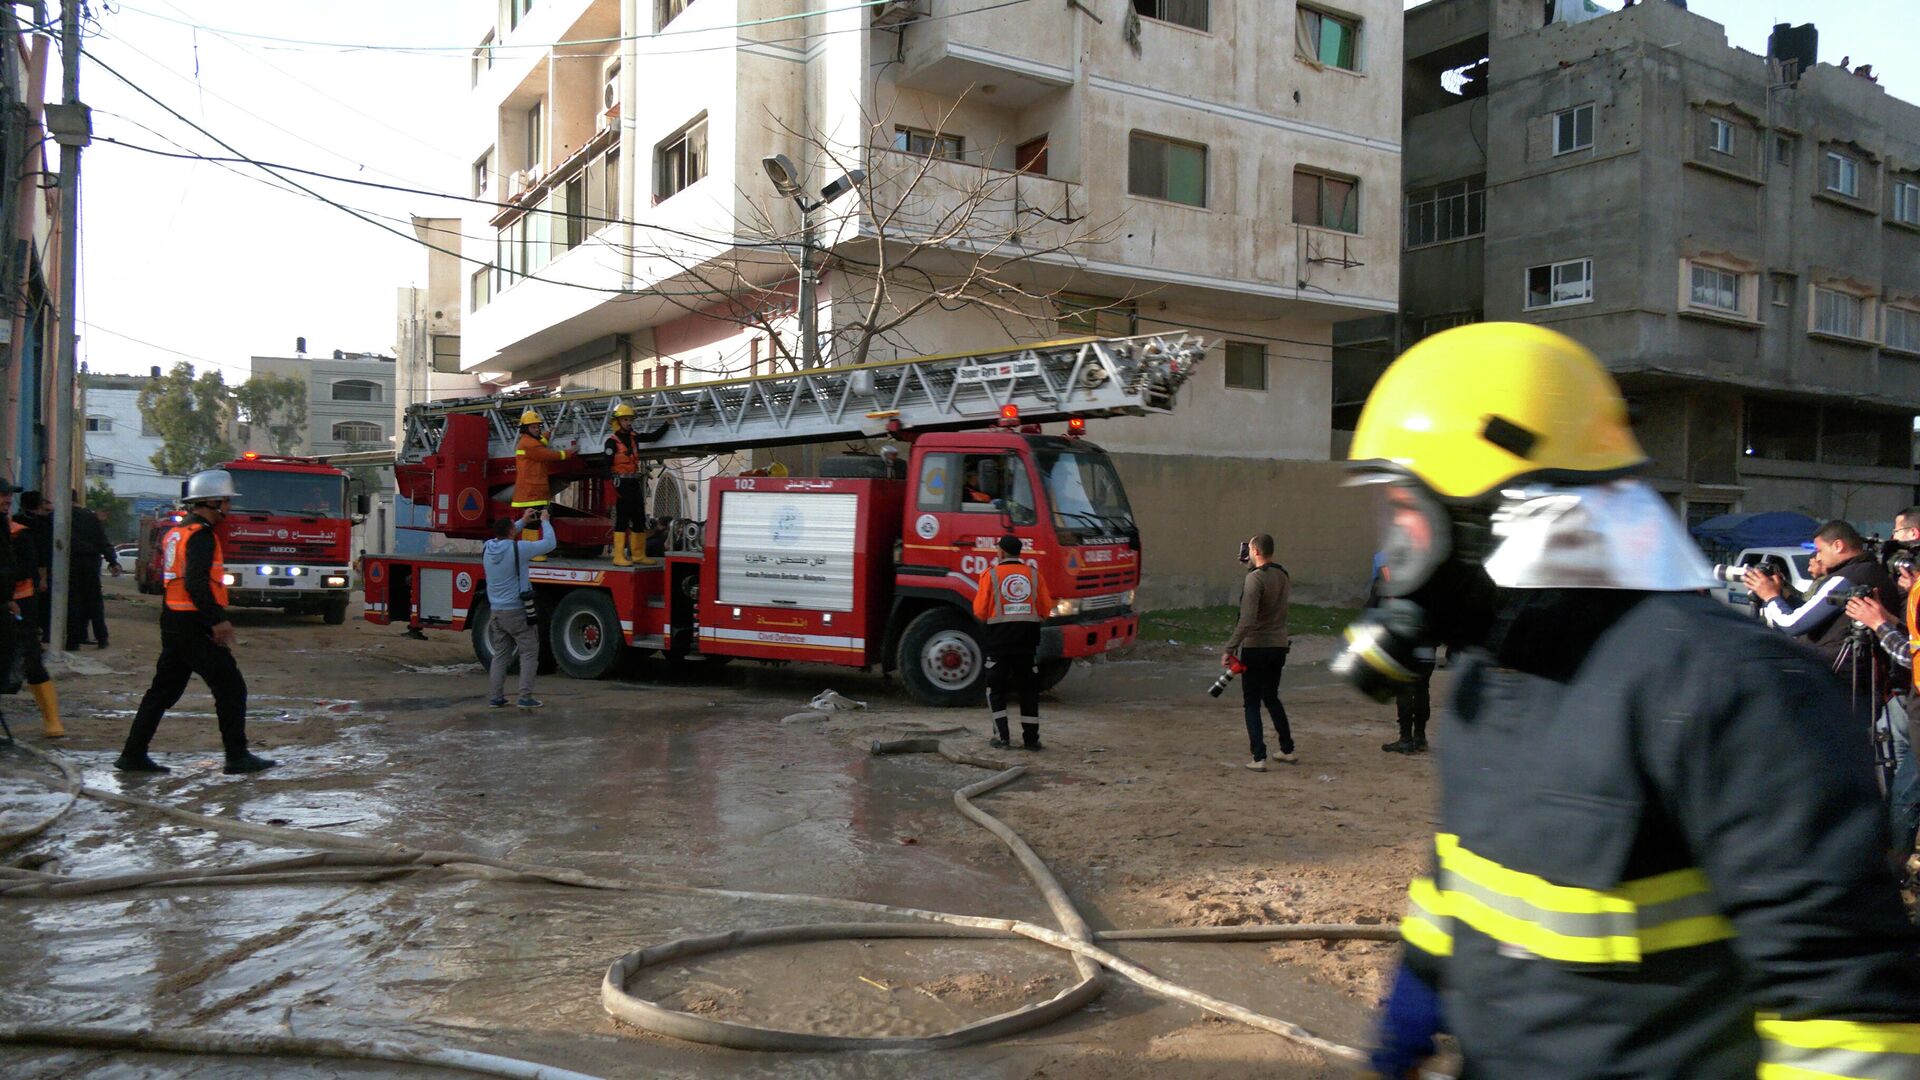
{"x": 1444, "y": 563}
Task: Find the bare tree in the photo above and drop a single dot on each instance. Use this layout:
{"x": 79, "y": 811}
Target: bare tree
{"x": 924, "y": 227}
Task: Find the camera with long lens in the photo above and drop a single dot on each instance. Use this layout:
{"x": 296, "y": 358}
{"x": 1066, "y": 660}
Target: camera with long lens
{"x": 1732, "y": 573}
{"x": 1771, "y": 565}
{"x": 1234, "y": 668}
{"x": 1839, "y": 597}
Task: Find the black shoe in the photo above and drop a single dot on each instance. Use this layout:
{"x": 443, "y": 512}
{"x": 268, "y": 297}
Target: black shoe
{"x": 102, "y": 645}
{"x": 416, "y": 635}
{"x": 1404, "y": 746}
{"x": 1419, "y": 746}
{"x": 998, "y": 742}
{"x": 249, "y": 763}
{"x": 140, "y": 764}
{"x": 1031, "y": 744}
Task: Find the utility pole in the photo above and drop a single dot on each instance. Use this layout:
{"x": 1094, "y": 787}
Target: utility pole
{"x": 72, "y": 127}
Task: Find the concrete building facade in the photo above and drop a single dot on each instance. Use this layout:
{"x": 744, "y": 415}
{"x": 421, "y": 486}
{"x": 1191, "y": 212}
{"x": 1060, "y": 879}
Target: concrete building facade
{"x": 426, "y": 368}
{"x": 1229, "y": 167}
{"x": 1737, "y": 236}
{"x": 120, "y": 446}
{"x": 349, "y": 400}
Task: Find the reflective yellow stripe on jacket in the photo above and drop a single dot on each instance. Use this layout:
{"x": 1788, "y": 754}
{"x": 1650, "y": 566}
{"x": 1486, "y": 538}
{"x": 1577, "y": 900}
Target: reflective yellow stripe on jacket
{"x": 1837, "y": 1050}
{"x": 1559, "y": 922}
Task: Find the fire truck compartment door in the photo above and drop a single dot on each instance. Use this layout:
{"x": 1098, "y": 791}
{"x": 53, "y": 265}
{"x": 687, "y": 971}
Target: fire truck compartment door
{"x": 788, "y": 549}
{"x": 436, "y": 593}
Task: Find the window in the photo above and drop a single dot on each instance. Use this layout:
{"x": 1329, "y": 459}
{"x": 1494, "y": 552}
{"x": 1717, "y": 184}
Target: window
{"x": 103, "y": 469}
{"x": 1715, "y": 289}
{"x": 1841, "y": 175}
{"x": 1906, "y": 202}
{"x": 536, "y": 144}
{"x": 481, "y": 283}
{"x": 1783, "y": 149}
{"x": 356, "y": 390}
{"x": 1572, "y": 129}
{"x": 681, "y": 161}
{"x": 1164, "y": 169}
{"x": 1719, "y": 135}
{"x": 1080, "y": 315}
{"x": 482, "y": 173}
{"x": 1781, "y": 431}
{"x": 1453, "y": 211}
{"x": 357, "y": 431}
{"x": 1432, "y": 326}
{"x": 1191, "y": 14}
{"x": 978, "y": 491}
{"x": 483, "y": 57}
{"x": 1560, "y": 283}
{"x": 1326, "y": 201}
{"x": 1327, "y": 38}
{"x": 1839, "y": 313}
{"x": 446, "y": 353}
{"x": 931, "y": 144}
{"x": 99, "y": 423}
{"x": 1246, "y": 366}
{"x": 937, "y": 475}
{"x": 1903, "y": 329}
{"x": 576, "y": 199}
{"x": 1783, "y": 290}
{"x": 668, "y": 10}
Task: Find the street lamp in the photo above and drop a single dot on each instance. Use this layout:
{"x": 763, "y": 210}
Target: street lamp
{"x": 786, "y": 181}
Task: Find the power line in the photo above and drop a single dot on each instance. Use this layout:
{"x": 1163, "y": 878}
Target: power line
{"x": 163, "y": 348}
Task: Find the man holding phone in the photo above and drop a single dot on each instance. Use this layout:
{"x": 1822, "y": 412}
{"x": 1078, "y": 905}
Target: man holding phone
{"x": 508, "y": 564}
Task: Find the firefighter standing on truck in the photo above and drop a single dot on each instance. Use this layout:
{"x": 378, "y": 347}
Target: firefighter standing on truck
{"x": 531, "y": 456}
{"x": 1661, "y": 850}
{"x": 629, "y": 487}
{"x": 17, "y": 629}
{"x": 195, "y": 636}
{"x": 1012, "y": 599}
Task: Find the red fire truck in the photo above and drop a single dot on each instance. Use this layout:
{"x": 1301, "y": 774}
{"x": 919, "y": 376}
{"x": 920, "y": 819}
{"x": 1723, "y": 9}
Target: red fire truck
{"x": 286, "y": 540}
{"x": 869, "y": 564}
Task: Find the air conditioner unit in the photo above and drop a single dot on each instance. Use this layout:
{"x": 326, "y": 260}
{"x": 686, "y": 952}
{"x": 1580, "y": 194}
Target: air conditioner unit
{"x": 609, "y": 90}
{"x": 896, "y": 12}
{"x": 518, "y": 183}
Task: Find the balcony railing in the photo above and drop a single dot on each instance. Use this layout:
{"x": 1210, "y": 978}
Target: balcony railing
{"x": 914, "y": 198}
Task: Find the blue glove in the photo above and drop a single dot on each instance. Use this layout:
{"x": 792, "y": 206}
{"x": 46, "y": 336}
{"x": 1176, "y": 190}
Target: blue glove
{"x": 1409, "y": 1019}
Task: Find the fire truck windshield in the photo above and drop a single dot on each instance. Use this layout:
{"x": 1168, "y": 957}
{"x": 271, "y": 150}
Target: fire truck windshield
{"x": 289, "y": 493}
{"x": 1085, "y": 492}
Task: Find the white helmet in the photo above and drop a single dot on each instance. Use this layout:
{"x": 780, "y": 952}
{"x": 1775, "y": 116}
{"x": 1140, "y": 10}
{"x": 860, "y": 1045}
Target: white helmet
{"x": 210, "y": 485}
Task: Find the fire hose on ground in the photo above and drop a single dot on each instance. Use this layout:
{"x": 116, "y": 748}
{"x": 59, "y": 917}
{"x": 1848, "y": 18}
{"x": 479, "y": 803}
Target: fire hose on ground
{"x": 347, "y": 858}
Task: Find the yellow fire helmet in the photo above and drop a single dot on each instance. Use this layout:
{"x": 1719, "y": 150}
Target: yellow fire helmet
{"x": 622, "y": 411}
{"x": 1473, "y": 408}
{"x": 530, "y": 417}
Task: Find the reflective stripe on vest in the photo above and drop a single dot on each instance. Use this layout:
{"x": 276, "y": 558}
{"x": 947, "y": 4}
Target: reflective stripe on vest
{"x": 1675, "y": 910}
{"x": 625, "y": 461}
{"x": 173, "y": 571}
{"x": 1837, "y": 1050}
{"x": 1013, "y": 597}
{"x": 23, "y": 587}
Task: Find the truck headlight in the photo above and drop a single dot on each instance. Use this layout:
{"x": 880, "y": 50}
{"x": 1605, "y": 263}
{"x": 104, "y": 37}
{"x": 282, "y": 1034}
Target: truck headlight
{"x": 335, "y": 581}
{"x": 1062, "y": 608}
{"x": 229, "y": 579}
{"x": 296, "y": 571}
{"x": 1126, "y": 598}
{"x": 264, "y": 571}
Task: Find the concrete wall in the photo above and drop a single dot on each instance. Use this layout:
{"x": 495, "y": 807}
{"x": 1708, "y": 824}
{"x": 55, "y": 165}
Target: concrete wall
{"x": 129, "y": 452}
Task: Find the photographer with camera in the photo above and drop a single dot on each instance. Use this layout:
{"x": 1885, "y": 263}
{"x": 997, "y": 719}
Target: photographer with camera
{"x": 1260, "y": 644}
{"x": 1842, "y": 551}
{"x": 511, "y": 626}
{"x": 1899, "y": 643}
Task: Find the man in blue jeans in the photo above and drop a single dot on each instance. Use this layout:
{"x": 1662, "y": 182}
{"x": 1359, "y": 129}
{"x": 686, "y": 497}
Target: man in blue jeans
{"x": 508, "y": 564}
{"x": 1260, "y": 642}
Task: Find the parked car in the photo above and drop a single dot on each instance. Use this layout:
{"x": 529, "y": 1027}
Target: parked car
{"x": 1795, "y": 557}
{"x": 126, "y": 555}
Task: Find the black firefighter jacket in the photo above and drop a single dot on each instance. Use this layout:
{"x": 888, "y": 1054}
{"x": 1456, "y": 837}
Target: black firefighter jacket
{"x": 1662, "y": 853}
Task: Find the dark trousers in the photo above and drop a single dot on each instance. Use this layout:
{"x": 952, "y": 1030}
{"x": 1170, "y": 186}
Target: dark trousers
{"x": 184, "y": 653}
{"x": 630, "y": 505}
{"x": 17, "y": 636}
{"x": 1261, "y": 686}
{"x": 1011, "y": 670}
{"x": 1414, "y": 706}
{"x": 86, "y": 606}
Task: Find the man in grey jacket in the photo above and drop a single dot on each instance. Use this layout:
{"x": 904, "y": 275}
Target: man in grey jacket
{"x": 508, "y": 565}
{"x": 1260, "y": 642}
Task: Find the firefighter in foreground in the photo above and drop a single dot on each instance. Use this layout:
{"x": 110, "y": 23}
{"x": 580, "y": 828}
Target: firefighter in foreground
{"x": 531, "y": 456}
{"x": 195, "y": 636}
{"x": 1012, "y": 599}
{"x": 18, "y": 631}
{"x": 1661, "y": 847}
{"x": 629, "y": 487}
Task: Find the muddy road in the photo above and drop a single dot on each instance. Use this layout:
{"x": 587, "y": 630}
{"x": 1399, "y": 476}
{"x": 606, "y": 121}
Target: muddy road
{"x": 699, "y": 776}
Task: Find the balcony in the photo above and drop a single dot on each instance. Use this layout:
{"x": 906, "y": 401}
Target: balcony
{"x": 914, "y": 198}
{"x": 1008, "y": 60}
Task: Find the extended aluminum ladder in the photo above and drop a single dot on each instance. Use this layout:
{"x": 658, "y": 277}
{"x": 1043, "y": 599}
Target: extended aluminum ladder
{"x": 1053, "y": 381}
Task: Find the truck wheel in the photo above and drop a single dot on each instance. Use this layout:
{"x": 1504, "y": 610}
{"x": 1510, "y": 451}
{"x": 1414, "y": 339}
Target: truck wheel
{"x": 335, "y": 612}
{"x": 1052, "y": 671}
{"x": 478, "y": 620}
{"x": 585, "y": 634}
{"x": 941, "y": 659}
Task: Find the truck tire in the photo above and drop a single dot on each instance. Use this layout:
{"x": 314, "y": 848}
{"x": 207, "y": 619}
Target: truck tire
{"x": 585, "y": 635}
{"x": 335, "y": 612}
{"x": 942, "y": 660}
{"x": 477, "y": 621}
{"x": 1052, "y": 672}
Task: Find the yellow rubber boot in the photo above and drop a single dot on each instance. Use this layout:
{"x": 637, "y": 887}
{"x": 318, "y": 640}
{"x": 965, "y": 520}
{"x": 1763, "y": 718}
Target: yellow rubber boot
{"x": 639, "y": 543}
{"x": 620, "y": 550}
{"x": 529, "y": 534}
{"x": 49, "y": 701}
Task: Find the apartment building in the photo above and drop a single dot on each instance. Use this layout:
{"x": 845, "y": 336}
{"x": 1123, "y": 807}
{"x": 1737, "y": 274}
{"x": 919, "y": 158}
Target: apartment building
{"x": 426, "y": 368}
{"x": 1737, "y": 236}
{"x": 349, "y": 400}
{"x": 119, "y": 443}
{"x": 1114, "y": 166}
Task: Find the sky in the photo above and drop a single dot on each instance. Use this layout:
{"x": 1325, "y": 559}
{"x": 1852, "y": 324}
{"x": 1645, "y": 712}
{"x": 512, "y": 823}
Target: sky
{"x": 199, "y": 261}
